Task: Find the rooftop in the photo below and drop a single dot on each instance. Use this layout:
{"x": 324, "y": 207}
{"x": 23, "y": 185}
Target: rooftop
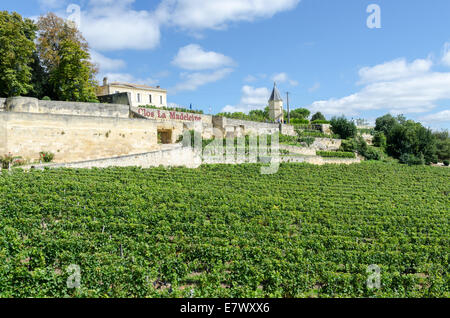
{"x": 137, "y": 86}
{"x": 275, "y": 94}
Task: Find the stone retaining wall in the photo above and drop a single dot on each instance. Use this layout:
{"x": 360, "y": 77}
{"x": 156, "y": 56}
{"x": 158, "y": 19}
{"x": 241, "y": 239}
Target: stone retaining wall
{"x": 175, "y": 157}
{"x": 74, "y": 138}
{"x": 33, "y": 105}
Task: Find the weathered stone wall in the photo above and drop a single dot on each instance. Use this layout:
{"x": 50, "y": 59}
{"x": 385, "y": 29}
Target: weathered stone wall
{"x": 316, "y": 160}
{"x": 75, "y": 138}
{"x": 288, "y": 130}
{"x": 299, "y": 150}
{"x": 33, "y": 105}
{"x": 2, "y": 103}
{"x": 238, "y": 128}
{"x": 175, "y": 157}
{"x": 326, "y": 144}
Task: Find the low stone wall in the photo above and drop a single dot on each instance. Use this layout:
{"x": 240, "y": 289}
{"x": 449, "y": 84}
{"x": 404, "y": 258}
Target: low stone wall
{"x": 326, "y": 144}
{"x": 238, "y": 128}
{"x": 75, "y": 138}
{"x": 288, "y": 130}
{"x": 2, "y": 103}
{"x": 175, "y": 157}
{"x": 33, "y": 105}
{"x": 299, "y": 150}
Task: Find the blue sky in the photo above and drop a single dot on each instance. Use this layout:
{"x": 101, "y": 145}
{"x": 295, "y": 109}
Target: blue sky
{"x": 225, "y": 54}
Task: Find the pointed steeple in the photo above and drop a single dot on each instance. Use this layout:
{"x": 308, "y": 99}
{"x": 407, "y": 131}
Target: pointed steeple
{"x": 275, "y": 94}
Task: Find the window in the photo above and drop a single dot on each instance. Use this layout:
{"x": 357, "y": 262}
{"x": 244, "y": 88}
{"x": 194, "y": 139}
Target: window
{"x": 160, "y": 100}
{"x": 150, "y": 98}
{"x": 139, "y": 98}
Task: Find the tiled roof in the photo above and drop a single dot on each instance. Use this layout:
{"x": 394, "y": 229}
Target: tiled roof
{"x": 139, "y": 86}
{"x": 275, "y": 94}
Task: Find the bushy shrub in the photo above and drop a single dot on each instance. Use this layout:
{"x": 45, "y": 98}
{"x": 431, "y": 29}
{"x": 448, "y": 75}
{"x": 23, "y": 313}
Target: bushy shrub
{"x": 411, "y": 159}
{"x": 379, "y": 140}
{"x": 6, "y": 160}
{"x": 46, "y": 156}
{"x": 299, "y": 121}
{"x": 343, "y": 127}
{"x": 350, "y": 145}
{"x": 408, "y": 141}
{"x": 442, "y": 145}
{"x": 446, "y": 163}
{"x": 318, "y": 116}
{"x": 336, "y": 154}
{"x": 372, "y": 153}
{"x": 360, "y": 145}
{"x": 308, "y": 140}
{"x": 320, "y": 122}
{"x": 46, "y": 98}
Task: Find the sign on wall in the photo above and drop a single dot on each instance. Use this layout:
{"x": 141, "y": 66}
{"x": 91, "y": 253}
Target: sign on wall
{"x": 168, "y": 115}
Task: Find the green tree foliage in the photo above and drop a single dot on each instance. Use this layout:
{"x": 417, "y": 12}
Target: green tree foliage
{"x": 358, "y": 144}
{"x": 343, "y": 127}
{"x": 379, "y": 140}
{"x": 442, "y": 145}
{"x": 300, "y": 113}
{"x": 407, "y": 140}
{"x": 72, "y": 79}
{"x": 56, "y": 43}
{"x": 16, "y": 54}
{"x": 253, "y": 115}
{"x": 385, "y": 124}
{"x": 318, "y": 116}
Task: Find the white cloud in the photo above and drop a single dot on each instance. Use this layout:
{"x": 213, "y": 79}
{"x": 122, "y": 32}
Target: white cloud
{"x": 110, "y": 25}
{"x": 107, "y": 64}
{"x": 128, "y": 78}
{"x": 440, "y": 117}
{"x": 192, "y": 57}
{"x": 394, "y": 70}
{"x": 284, "y": 77}
{"x": 192, "y": 81}
{"x": 446, "y": 55}
{"x": 217, "y": 14}
{"x": 113, "y": 25}
{"x": 414, "y": 95}
{"x": 254, "y": 78}
{"x": 252, "y": 98}
{"x": 394, "y": 86}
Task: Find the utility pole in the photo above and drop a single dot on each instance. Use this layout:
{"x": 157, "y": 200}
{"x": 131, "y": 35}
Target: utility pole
{"x": 289, "y": 111}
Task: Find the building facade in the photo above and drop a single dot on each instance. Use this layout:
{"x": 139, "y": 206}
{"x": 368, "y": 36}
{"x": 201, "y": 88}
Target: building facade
{"x": 276, "y": 112}
{"x": 141, "y": 95}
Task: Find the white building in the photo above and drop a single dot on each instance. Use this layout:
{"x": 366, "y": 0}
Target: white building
{"x": 141, "y": 95}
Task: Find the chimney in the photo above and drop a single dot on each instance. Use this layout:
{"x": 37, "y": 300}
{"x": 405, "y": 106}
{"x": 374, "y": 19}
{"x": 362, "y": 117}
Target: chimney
{"x": 105, "y": 81}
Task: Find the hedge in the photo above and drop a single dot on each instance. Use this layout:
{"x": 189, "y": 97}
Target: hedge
{"x": 336, "y": 154}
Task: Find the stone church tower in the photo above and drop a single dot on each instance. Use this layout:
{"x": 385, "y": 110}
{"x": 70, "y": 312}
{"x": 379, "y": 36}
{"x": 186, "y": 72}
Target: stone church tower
{"x": 276, "y": 105}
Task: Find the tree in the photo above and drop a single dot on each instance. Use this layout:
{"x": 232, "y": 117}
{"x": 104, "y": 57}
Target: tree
{"x": 442, "y": 145}
{"x": 57, "y": 40}
{"x": 409, "y": 141}
{"x": 73, "y": 79}
{"x": 385, "y": 124}
{"x": 343, "y": 127}
{"x": 318, "y": 116}
{"x": 300, "y": 113}
{"x": 379, "y": 140}
{"x": 16, "y": 53}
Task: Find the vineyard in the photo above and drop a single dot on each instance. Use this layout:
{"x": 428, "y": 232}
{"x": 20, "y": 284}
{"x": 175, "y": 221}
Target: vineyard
{"x": 226, "y": 231}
